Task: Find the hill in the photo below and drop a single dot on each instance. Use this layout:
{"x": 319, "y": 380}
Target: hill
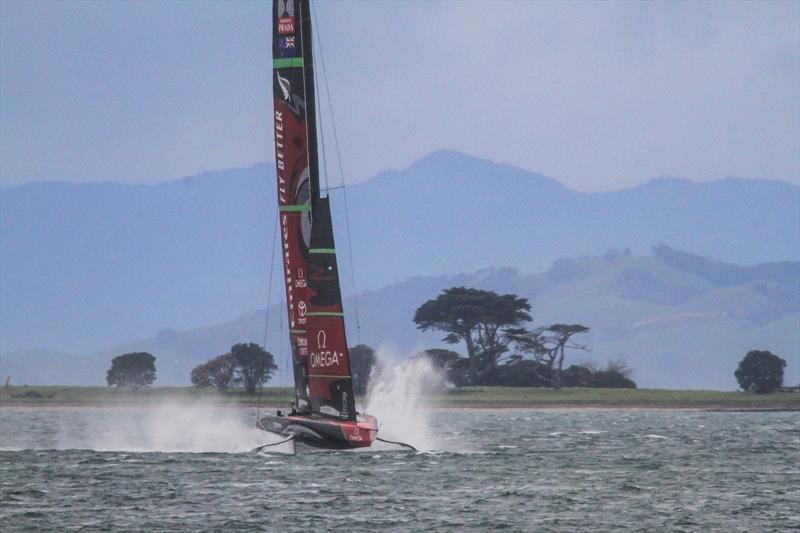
{"x": 675, "y": 321}
{"x": 84, "y": 266}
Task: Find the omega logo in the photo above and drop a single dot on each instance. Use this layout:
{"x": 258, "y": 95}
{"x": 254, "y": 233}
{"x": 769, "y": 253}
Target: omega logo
{"x": 322, "y": 339}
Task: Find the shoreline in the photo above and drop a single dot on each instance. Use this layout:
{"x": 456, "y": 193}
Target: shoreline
{"x": 501, "y": 398}
{"x": 471, "y": 407}
{"x": 432, "y": 406}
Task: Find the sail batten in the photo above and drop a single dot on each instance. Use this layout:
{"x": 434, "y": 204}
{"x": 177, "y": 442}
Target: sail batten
{"x": 320, "y": 357}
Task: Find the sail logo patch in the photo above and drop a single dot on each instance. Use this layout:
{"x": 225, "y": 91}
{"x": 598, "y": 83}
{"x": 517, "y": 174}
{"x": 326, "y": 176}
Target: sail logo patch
{"x": 301, "y": 279}
{"x": 283, "y": 83}
{"x": 279, "y": 154}
{"x": 326, "y": 358}
{"x": 286, "y": 26}
{"x": 285, "y": 8}
{"x": 287, "y": 42}
{"x": 322, "y": 339}
{"x": 294, "y": 102}
{"x": 286, "y": 46}
{"x": 286, "y": 17}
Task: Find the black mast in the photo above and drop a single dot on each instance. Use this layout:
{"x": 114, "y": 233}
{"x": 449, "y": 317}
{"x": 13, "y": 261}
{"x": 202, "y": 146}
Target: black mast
{"x": 311, "y": 107}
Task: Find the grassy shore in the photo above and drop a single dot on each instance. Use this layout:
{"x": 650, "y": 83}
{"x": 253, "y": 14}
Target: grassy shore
{"x": 615, "y": 398}
{"x": 473, "y": 397}
{"x": 55, "y": 395}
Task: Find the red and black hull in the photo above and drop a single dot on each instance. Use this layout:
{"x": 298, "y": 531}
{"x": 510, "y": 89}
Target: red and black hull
{"x": 323, "y": 432}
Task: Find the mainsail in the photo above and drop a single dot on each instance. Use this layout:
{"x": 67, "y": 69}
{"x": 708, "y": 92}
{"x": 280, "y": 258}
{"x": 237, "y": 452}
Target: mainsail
{"x": 319, "y": 346}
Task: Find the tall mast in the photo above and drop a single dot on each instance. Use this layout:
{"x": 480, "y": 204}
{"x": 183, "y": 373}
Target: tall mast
{"x": 311, "y": 97}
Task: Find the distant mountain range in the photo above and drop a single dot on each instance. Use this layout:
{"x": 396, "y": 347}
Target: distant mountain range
{"x": 681, "y": 320}
{"x": 88, "y": 266}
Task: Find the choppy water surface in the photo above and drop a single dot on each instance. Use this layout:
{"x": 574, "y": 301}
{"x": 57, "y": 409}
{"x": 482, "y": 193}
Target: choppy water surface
{"x": 524, "y": 470}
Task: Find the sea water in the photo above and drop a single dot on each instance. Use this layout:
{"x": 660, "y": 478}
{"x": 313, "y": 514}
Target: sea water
{"x": 188, "y": 467}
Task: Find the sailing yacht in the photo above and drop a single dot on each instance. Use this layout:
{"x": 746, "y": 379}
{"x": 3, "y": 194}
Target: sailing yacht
{"x": 324, "y": 413}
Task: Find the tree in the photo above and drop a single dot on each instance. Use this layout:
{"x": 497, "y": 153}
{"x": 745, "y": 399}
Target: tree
{"x": 218, "y": 373}
{"x": 477, "y": 318}
{"x": 548, "y": 347}
{"x": 760, "y": 372}
{"x": 577, "y": 376}
{"x": 459, "y": 372}
{"x": 617, "y": 375}
{"x": 200, "y": 375}
{"x": 560, "y": 335}
{"x": 520, "y": 372}
{"x": 134, "y": 370}
{"x": 449, "y": 363}
{"x": 612, "y": 379}
{"x": 620, "y": 366}
{"x": 362, "y": 360}
{"x": 254, "y": 366}
{"x": 440, "y": 358}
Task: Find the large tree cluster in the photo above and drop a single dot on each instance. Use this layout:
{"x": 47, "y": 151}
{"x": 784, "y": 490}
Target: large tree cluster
{"x": 493, "y": 328}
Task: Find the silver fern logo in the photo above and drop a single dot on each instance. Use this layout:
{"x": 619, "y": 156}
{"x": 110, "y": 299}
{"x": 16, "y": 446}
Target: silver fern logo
{"x": 285, "y": 8}
{"x": 283, "y": 83}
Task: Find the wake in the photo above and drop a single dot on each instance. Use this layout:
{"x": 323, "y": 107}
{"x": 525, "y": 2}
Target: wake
{"x": 174, "y": 426}
{"x": 397, "y": 396}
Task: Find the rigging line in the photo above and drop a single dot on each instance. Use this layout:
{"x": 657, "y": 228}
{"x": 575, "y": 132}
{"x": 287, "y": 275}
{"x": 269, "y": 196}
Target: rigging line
{"x": 271, "y": 272}
{"x": 269, "y": 299}
{"x": 283, "y": 354}
{"x": 341, "y": 175}
{"x": 321, "y": 129}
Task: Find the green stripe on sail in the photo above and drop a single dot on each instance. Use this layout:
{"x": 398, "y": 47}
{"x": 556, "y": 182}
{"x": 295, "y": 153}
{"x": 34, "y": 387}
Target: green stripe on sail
{"x": 321, "y": 251}
{"x": 295, "y": 207}
{"x": 325, "y": 313}
{"x": 286, "y": 62}
{"x": 297, "y": 331}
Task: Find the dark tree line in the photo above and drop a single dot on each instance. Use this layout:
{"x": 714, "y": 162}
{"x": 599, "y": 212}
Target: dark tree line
{"x": 521, "y": 372}
{"x": 247, "y": 364}
{"x": 501, "y": 350}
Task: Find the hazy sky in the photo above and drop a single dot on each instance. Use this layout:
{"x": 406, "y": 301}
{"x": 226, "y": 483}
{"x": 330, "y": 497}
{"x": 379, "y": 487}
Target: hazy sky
{"x": 598, "y": 95}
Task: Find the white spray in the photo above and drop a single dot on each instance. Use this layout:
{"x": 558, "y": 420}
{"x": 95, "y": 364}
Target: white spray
{"x": 397, "y": 397}
{"x": 170, "y": 427}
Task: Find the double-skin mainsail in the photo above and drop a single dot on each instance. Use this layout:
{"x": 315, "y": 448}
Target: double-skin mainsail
{"x": 323, "y": 384}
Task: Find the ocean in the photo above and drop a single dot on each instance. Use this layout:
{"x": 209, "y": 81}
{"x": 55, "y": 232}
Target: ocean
{"x": 189, "y": 467}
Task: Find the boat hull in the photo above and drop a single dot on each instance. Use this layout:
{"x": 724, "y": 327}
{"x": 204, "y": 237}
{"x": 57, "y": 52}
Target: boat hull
{"x": 323, "y": 432}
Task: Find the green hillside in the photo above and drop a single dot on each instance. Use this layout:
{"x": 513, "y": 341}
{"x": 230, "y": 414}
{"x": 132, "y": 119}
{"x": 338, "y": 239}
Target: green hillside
{"x": 674, "y": 318}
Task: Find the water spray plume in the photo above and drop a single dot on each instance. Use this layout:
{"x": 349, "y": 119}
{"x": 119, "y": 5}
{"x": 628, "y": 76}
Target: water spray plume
{"x": 397, "y": 397}
{"x": 171, "y": 427}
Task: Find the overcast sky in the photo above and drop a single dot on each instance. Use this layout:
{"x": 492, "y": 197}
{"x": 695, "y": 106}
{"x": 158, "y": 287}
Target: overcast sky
{"x": 598, "y": 95}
